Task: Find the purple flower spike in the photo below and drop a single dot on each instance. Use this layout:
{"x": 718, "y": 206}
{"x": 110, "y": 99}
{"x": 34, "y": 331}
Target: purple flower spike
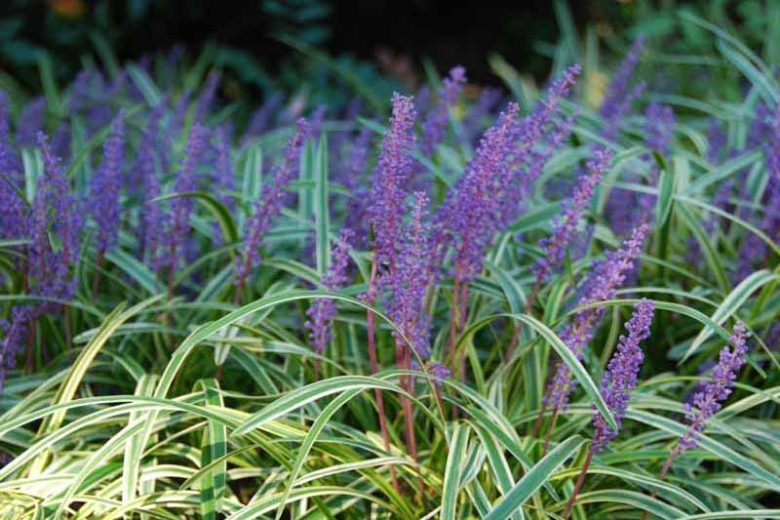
{"x": 207, "y": 98}
{"x": 263, "y": 118}
{"x": 435, "y": 126}
{"x": 620, "y": 96}
{"x": 317, "y": 120}
{"x": 64, "y": 214}
{"x": 13, "y": 341}
{"x": 270, "y": 204}
{"x": 31, "y": 122}
{"x": 605, "y": 279}
{"x": 622, "y": 371}
{"x": 660, "y": 122}
{"x": 357, "y": 205}
{"x": 554, "y": 247}
{"x": 323, "y": 310}
{"x": 490, "y": 194}
{"x": 55, "y": 211}
{"x": 717, "y": 140}
{"x": 182, "y": 207}
{"x": 709, "y": 399}
{"x": 392, "y": 171}
{"x": 105, "y": 186}
{"x": 408, "y": 283}
{"x": 151, "y": 220}
{"x": 469, "y": 218}
{"x": 13, "y": 211}
{"x": 487, "y": 102}
{"x": 224, "y": 173}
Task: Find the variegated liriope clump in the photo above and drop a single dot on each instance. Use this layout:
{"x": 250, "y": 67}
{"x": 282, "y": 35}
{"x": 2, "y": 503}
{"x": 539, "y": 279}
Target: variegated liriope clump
{"x": 460, "y": 301}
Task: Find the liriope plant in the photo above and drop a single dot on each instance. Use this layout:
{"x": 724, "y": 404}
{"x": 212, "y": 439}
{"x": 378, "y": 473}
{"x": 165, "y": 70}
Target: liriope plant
{"x": 337, "y": 313}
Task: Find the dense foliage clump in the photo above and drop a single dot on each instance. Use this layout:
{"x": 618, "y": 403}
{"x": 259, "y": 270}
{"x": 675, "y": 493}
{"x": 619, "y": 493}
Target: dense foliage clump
{"x": 315, "y": 312}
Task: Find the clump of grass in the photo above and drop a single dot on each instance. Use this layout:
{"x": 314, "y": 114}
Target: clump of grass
{"x": 338, "y": 318}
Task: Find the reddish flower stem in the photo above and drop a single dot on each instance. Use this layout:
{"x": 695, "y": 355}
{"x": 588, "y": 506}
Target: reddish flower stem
{"x": 374, "y": 364}
{"x": 667, "y": 466}
{"x": 578, "y": 485}
{"x": 550, "y": 430}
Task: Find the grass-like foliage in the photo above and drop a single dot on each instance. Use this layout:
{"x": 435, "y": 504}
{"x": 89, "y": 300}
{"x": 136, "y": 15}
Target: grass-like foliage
{"x": 562, "y": 303}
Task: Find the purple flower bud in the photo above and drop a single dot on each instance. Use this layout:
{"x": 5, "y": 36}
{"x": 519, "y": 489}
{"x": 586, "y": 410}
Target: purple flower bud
{"x": 622, "y": 371}
{"x": 323, "y": 310}
{"x": 710, "y": 398}
{"x": 105, "y": 186}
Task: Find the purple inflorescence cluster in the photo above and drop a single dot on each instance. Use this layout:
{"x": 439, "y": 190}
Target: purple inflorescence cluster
{"x": 224, "y": 174}
{"x": 435, "y": 125}
{"x": 709, "y": 399}
{"x": 105, "y": 186}
{"x": 13, "y": 212}
{"x": 151, "y": 218}
{"x": 386, "y": 207}
{"x": 717, "y": 139}
{"x": 270, "y": 204}
{"x": 183, "y": 205}
{"x": 55, "y": 214}
{"x": 659, "y": 124}
{"x": 323, "y": 310}
{"x": 57, "y": 211}
{"x": 490, "y": 193}
{"x": 554, "y": 247}
{"x": 468, "y": 219}
{"x": 620, "y": 95}
{"x": 628, "y": 209}
{"x": 764, "y": 134}
{"x": 622, "y": 371}
{"x": 407, "y": 285}
{"x": 30, "y": 123}
{"x": 263, "y": 118}
{"x": 357, "y": 205}
{"x": 605, "y": 279}
{"x": 486, "y": 103}
{"x": 207, "y": 98}
{"x": 317, "y": 120}
{"x": 771, "y": 221}
{"x": 13, "y": 341}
